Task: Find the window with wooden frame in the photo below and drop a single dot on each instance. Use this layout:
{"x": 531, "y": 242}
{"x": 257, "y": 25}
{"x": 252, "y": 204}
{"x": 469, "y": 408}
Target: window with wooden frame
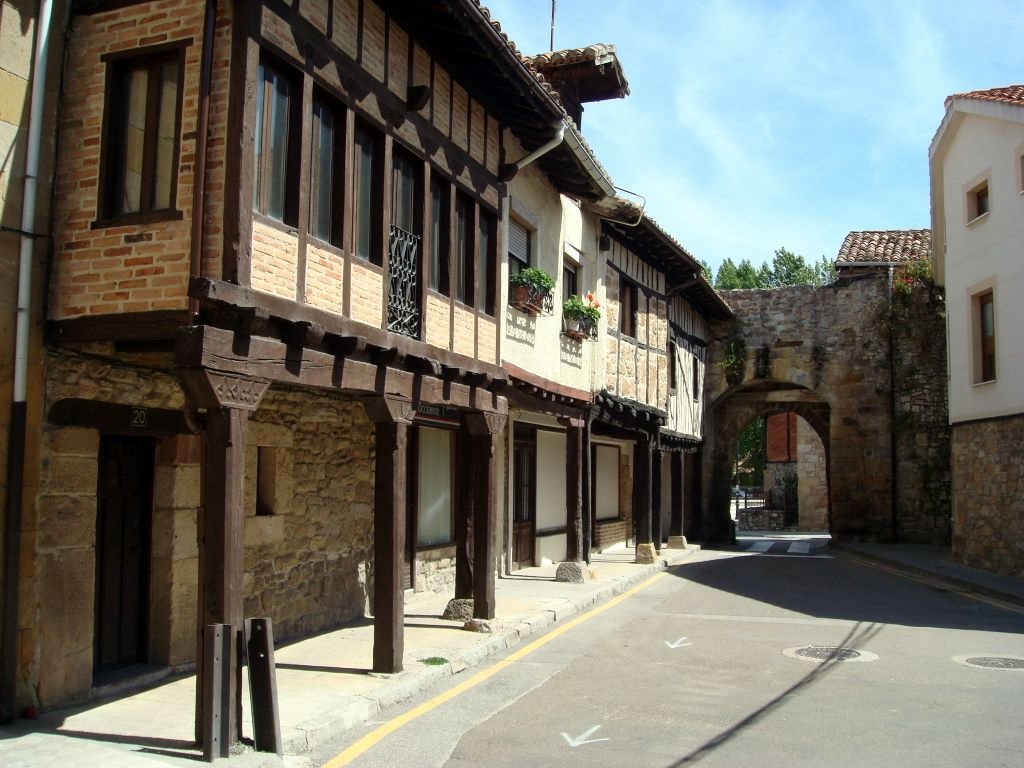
{"x": 695, "y": 377}
{"x": 440, "y": 236}
{"x": 518, "y": 247}
{"x": 628, "y": 295}
{"x": 977, "y": 201}
{"x": 142, "y": 119}
{"x": 326, "y": 170}
{"x": 407, "y": 176}
{"x": 985, "y": 337}
{"x": 487, "y": 249}
{"x": 671, "y": 366}
{"x": 463, "y": 266}
{"x": 278, "y": 117}
{"x": 369, "y": 194}
{"x": 570, "y": 280}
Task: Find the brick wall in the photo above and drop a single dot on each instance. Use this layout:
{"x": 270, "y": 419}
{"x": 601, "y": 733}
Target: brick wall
{"x": 325, "y": 278}
{"x": 106, "y": 267}
{"x": 275, "y": 264}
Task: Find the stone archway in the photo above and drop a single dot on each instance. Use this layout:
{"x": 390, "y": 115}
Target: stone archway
{"x": 729, "y": 415}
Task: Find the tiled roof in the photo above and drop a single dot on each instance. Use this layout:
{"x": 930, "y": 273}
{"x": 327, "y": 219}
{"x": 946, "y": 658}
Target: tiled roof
{"x": 894, "y": 246}
{"x": 596, "y": 53}
{"x": 1010, "y": 94}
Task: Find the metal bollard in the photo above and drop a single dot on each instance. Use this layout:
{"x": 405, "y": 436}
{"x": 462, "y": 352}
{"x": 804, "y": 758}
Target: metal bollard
{"x": 259, "y": 646}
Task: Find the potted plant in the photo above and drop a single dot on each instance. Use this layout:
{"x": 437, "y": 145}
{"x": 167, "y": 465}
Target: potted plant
{"x": 580, "y": 316}
{"x": 530, "y": 286}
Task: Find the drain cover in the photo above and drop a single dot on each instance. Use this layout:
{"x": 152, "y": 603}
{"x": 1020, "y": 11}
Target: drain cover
{"x": 991, "y": 662}
{"x": 829, "y": 653}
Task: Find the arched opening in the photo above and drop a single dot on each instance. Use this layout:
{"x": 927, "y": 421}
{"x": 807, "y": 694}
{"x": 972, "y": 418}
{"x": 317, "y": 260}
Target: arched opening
{"x": 782, "y": 402}
{"x": 779, "y": 478}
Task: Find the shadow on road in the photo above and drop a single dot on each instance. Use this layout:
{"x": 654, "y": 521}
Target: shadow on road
{"x": 838, "y": 588}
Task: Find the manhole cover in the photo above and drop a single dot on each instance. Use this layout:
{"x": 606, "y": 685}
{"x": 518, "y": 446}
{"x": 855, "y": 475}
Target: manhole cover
{"x": 829, "y": 653}
{"x": 991, "y": 662}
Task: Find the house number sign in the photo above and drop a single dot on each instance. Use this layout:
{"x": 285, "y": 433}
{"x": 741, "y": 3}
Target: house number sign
{"x": 138, "y": 417}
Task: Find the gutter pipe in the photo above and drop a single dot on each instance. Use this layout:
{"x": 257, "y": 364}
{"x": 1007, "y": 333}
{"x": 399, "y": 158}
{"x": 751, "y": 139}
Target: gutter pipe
{"x": 508, "y": 171}
{"x": 17, "y": 428}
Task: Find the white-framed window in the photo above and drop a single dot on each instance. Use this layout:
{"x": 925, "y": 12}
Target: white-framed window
{"x": 434, "y": 497}
{"x": 519, "y": 250}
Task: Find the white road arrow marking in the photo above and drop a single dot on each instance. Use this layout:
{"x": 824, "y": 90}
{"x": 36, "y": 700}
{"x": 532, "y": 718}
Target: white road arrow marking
{"x": 582, "y": 739}
{"x": 678, "y": 643}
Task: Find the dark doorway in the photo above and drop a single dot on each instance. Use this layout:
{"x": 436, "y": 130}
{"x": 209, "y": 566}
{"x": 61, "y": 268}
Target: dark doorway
{"x": 524, "y": 497}
{"x": 124, "y": 501}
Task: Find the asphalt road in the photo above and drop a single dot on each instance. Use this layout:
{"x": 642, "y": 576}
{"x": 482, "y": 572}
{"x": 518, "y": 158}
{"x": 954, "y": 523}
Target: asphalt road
{"x": 703, "y": 665}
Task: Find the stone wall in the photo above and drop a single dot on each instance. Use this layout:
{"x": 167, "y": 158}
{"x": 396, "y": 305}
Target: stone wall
{"x": 824, "y": 353}
{"x": 988, "y": 494}
{"x": 922, "y": 419}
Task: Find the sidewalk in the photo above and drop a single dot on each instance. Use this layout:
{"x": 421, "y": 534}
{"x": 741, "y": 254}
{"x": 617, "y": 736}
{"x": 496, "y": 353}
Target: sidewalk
{"x": 937, "y": 562}
{"x": 324, "y": 684}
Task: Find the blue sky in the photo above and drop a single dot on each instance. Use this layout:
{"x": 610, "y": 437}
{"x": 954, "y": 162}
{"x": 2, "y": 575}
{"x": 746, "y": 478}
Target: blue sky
{"x": 768, "y": 123}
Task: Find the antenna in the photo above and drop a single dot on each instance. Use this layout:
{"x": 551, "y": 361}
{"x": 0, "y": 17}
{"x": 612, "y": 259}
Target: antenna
{"x": 552, "y": 25}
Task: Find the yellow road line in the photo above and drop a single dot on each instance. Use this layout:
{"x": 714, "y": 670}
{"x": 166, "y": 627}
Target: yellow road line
{"x": 937, "y": 582}
{"x": 372, "y": 738}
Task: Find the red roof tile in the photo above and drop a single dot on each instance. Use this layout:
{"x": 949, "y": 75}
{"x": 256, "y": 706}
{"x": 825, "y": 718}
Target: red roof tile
{"x": 894, "y": 246}
{"x": 1010, "y": 94}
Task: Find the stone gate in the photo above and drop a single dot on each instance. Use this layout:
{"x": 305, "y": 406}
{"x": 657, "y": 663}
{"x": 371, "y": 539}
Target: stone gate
{"x": 867, "y": 376}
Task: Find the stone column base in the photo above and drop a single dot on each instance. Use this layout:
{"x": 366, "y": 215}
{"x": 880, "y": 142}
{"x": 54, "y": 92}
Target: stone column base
{"x": 677, "y": 542}
{"x": 646, "y": 553}
{"x": 458, "y": 609}
{"x": 572, "y": 572}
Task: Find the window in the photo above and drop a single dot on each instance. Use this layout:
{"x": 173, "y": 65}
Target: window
{"x": 627, "y": 307}
{"x": 326, "y": 172}
{"x": 695, "y": 378}
{"x": 142, "y": 118}
{"x": 266, "y": 480}
{"x": 486, "y": 251}
{"x": 434, "y": 499}
{"x": 985, "y": 338}
{"x": 277, "y": 101}
{"x": 569, "y": 280}
{"x": 440, "y": 236}
{"x": 404, "y": 187}
{"x": 671, "y": 366}
{"x": 977, "y": 201}
{"x": 368, "y": 195}
{"x": 463, "y": 250}
{"x": 518, "y": 247}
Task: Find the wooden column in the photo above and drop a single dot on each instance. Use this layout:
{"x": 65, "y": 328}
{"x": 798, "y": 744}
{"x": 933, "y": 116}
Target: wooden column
{"x": 392, "y": 417}
{"x": 675, "y": 525}
{"x": 645, "y": 549}
{"x": 573, "y": 490}
{"x": 464, "y": 516}
{"x": 221, "y": 549}
{"x": 588, "y": 502}
{"x": 657, "y": 456}
{"x": 485, "y": 429}
{"x": 228, "y": 400}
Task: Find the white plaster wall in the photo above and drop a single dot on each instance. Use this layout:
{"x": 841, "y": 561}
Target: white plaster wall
{"x": 988, "y": 252}
{"x": 550, "y": 495}
{"x": 536, "y": 344}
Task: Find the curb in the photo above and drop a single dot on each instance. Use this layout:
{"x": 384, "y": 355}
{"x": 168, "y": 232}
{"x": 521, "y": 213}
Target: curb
{"x": 403, "y": 686}
{"x": 964, "y": 585}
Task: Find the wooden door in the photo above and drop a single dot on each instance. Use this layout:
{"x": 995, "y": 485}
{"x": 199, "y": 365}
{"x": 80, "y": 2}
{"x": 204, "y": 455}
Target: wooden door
{"x": 123, "y": 526}
{"x": 524, "y": 498}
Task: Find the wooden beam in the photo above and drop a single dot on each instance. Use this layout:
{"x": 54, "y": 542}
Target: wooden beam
{"x": 221, "y": 548}
{"x": 465, "y": 449}
{"x": 642, "y": 513}
{"x": 656, "y": 533}
{"x": 255, "y": 357}
{"x": 486, "y": 429}
{"x": 117, "y": 419}
{"x": 392, "y": 418}
{"x": 574, "y": 491}
{"x": 132, "y": 326}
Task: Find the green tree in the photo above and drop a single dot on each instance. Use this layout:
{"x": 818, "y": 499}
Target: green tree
{"x": 787, "y": 268}
{"x": 705, "y": 269}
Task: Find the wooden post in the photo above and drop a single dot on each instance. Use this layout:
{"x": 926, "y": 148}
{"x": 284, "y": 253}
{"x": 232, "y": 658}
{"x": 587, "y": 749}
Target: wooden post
{"x": 573, "y": 490}
{"x": 656, "y": 532}
{"x": 464, "y": 516}
{"x": 645, "y": 550}
{"x": 676, "y": 537}
{"x": 221, "y": 555}
{"x": 485, "y": 429}
{"x": 392, "y": 417}
{"x": 588, "y": 503}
